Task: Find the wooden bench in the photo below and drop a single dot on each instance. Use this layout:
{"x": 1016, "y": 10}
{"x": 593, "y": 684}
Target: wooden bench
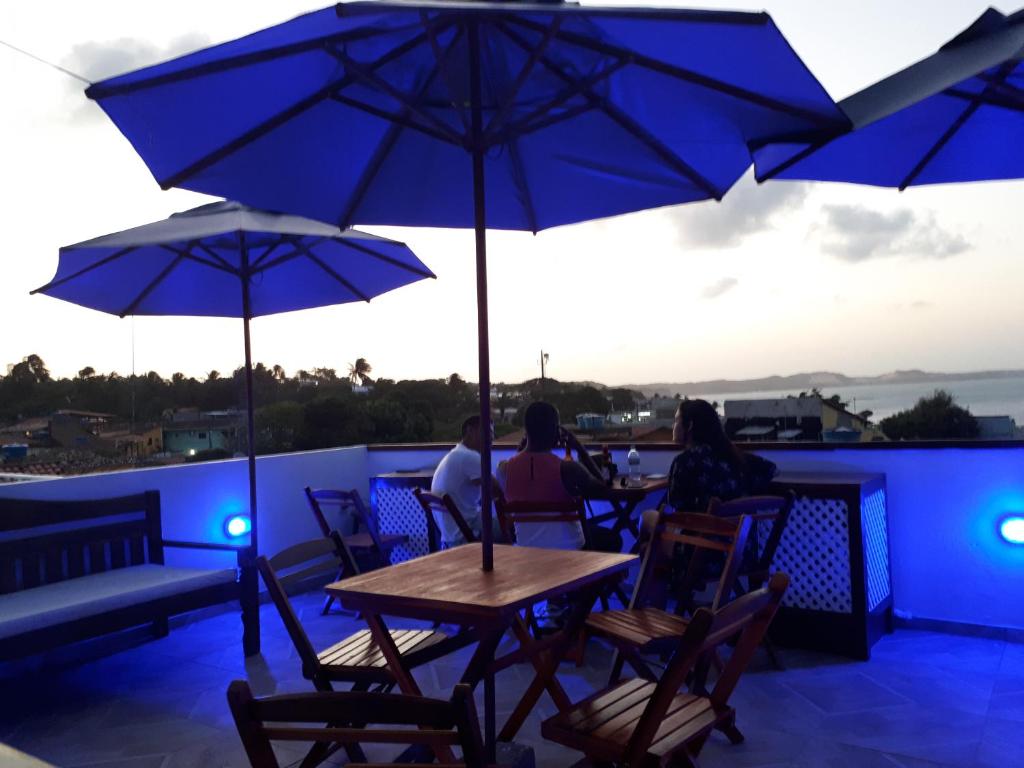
{"x": 71, "y": 570}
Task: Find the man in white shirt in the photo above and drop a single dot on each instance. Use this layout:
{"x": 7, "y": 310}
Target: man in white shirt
{"x": 458, "y": 475}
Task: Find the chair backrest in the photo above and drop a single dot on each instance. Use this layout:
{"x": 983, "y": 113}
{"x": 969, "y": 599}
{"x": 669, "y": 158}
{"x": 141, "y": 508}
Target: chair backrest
{"x": 701, "y": 535}
{"x": 301, "y": 563}
{"x": 300, "y": 717}
{"x": 511, "y": 513}
{"x": 770, "y": 515}
{"x": 433, "y": 504}
{"x": 343, "y": 501}
{"x": 749, "y": 617}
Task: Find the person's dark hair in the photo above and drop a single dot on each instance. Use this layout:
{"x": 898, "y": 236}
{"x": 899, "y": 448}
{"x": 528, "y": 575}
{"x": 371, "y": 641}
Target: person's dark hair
{"x": 470, "y": 424}
{"x": 705, "y": 428}
{"x": 541, "y": 423}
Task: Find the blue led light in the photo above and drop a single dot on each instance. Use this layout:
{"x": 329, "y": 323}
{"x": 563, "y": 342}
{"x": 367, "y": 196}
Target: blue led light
{"x": 237, "y": 525}
{"x": 1011, "y": 528}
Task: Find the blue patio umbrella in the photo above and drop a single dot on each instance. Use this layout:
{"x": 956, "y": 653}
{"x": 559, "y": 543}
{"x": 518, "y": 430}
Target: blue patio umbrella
{"x": 471, "y": 114}
{"x": 955, "y": 116}
{"x": 225, "y": 259}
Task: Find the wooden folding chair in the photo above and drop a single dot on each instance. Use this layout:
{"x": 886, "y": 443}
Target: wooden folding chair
{"x": 369, "y": 546}
{"x": 357, "y": 659}
{"x": 301, "y": 717}
{"x": 640, "y": 723}
{"x": 771, "y": 513}
{"x": 513, "y": 513}
{"x": 435, "y": 506}
{"x": 642, "y": 628}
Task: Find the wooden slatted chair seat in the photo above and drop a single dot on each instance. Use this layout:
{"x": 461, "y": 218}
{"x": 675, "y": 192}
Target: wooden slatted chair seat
{"x": 359, "y": 653}
{"x": 400, "y": 720}
{"x": 357, "y": 659}
{"x": 641, "y": 627}
{"x": 644, "y": 723}
{"x": 606, "y": 721}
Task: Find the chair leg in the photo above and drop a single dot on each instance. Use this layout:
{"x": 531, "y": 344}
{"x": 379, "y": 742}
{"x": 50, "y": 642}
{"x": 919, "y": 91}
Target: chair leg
{"x": 617, "y": 662}
{"x": 327, "y": 605}
{"x": 769, "y": 647}
{"x": 728, "y": 727}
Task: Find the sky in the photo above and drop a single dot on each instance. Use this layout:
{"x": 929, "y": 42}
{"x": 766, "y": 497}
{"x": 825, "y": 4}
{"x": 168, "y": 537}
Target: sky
{"x": 775, "y": 279}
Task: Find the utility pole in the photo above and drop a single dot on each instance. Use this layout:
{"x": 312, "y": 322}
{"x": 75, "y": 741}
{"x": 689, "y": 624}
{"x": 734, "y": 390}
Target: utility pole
{"x": 543, "y": 360}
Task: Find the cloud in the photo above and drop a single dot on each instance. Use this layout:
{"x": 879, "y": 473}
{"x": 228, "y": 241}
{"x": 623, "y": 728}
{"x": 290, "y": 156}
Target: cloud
{"x": 98, "y": 61}
{"x": 720, "y": 287}
{"x": 921, "y": 305}
{"x": 747, "y": 209}
{"x": 855, "y": 233}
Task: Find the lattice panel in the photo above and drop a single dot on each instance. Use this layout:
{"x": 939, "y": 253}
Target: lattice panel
{"x": 398, "y": 511}
{"x": 876, "y": 547}
{"x": 815, "y": 552}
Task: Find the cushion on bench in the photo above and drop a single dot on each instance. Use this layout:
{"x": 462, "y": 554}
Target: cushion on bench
{"x": 98, "y": 593}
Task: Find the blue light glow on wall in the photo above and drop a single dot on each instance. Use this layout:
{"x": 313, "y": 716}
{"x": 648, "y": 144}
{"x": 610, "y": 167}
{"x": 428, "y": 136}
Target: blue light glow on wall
{"x": 1011, "y": 528}
{"x": 237, "y": 525}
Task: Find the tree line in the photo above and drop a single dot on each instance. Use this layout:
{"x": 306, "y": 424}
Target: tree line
{"x": 310, "y": 409}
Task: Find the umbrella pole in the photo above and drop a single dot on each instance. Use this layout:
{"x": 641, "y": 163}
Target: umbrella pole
{"x": 483, "y": 351}
{"x": 249, "y": 584}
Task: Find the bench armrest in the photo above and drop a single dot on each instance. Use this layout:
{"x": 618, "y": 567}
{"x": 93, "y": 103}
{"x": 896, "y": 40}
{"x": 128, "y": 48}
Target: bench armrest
{"x": 239, "y": 549}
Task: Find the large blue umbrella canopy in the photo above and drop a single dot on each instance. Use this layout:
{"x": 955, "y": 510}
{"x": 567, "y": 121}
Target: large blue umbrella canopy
{"x": 228, "y": 260}
{"x": 955, "y": 116}
{"x": 472, "y": 114}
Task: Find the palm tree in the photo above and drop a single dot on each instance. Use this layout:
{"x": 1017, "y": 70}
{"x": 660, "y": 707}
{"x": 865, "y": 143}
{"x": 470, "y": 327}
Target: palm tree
{"x": 358, "y": 372}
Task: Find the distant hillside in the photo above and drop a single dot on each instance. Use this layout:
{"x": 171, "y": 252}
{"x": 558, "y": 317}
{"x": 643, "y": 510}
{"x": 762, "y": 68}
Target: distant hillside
{"x": 805, "y": 381}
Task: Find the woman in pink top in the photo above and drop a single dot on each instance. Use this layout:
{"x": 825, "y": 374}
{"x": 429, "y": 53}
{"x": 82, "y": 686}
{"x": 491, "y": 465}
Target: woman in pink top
{"x": 535, "y": 474}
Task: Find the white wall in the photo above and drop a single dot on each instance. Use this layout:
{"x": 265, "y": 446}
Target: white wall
{"x": 948, "y": 560}
{"x": 944, "y": 505}
{"x": 195, "y": 499}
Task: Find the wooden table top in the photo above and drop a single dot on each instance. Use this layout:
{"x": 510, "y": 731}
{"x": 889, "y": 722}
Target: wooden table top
{"x": 451, "y": 584}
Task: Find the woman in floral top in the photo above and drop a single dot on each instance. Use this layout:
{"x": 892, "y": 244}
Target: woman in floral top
{"x": 710, "y": 465}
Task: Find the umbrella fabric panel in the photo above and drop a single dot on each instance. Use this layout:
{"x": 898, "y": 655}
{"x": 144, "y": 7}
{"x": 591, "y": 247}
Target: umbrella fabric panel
{"x": 388, "y": 88}
{"x": 154, "y": 280}
{"x": 983, "y": 143}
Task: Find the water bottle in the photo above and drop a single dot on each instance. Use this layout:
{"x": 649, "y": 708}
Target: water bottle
{"x": 633, "y": 459}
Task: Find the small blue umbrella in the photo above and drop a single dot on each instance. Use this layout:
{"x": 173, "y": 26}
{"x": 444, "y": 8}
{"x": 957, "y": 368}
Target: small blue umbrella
{"x": 472, "y": 114}
{"x": 955, "y": 116}
{"x": 225, "y": 259}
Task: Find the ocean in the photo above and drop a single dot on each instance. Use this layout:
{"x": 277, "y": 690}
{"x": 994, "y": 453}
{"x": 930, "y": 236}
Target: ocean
{"x": 982, "y": 397}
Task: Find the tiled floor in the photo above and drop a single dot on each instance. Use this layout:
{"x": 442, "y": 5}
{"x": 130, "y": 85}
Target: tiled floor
{"x": 925, "y": 699}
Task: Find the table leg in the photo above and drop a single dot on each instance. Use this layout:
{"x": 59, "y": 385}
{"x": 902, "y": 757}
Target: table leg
{"x": 479, "y": 668}
{"x": 403, "y": 676}
{"x": 546, "y": 667}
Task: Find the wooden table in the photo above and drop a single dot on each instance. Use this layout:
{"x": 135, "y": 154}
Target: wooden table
{"x": 450, "y": 587}
{"x": 625, "y": 500}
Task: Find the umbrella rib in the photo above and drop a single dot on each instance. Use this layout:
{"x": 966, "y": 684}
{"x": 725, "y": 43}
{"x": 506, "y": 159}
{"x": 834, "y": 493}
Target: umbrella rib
{"x": 280, "y": 118}
{"x": 130, "y": 309}
{"x": 395, "y": 118}
{"x": 987, "y": 99}
{"x": 680, "y": 73}
{"x": 519, "y": 178}
{"x": 216, "y": 256}
{"x": 531, "y": 62}
{"x": 105, "y": 260}
{"x": 277, "y": 261}
{"x": 631, "y": 126}
{"x": 807, "y": 151}
{"x": 402, "y": 98}
{"x": 384, "y": 148}
{"x": 352, "y": 243}
{"x": 100, "y": 91}
{"x": 270, "y": 249}
{"x": 1004, "y": 72}
{"x": 440, "y": 59}
{"x": 319, "y": 262}
{"x": 198, "y": 259}
{"x": 522, "y": 126}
